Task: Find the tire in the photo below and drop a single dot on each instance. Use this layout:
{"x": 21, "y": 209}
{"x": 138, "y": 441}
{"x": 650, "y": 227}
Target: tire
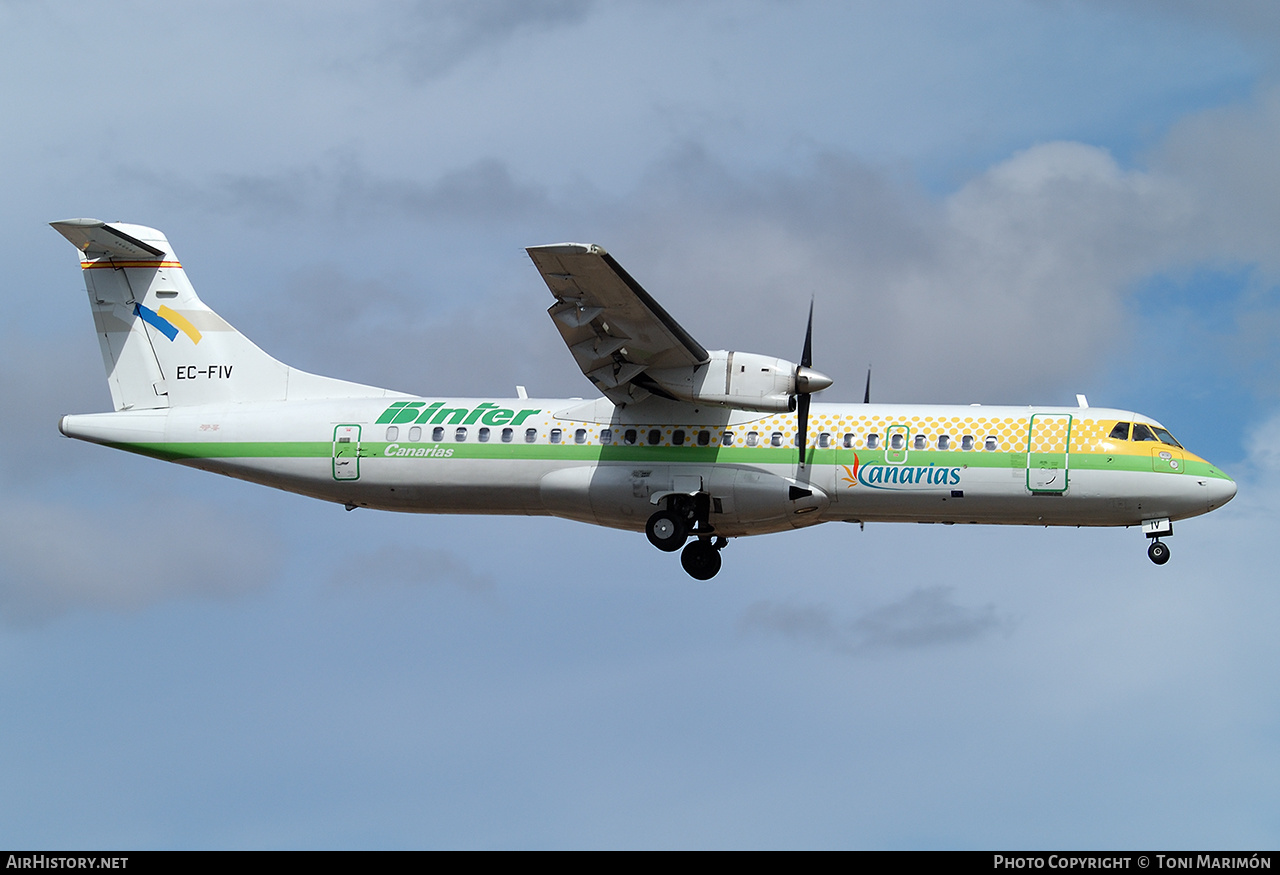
{"x": 1158, "y": 552}
{"x": 666, "y": 531}
{"x": 701, "y": 560}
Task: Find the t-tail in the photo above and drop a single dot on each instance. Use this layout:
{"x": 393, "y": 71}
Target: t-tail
{"x": 161, "y": 345}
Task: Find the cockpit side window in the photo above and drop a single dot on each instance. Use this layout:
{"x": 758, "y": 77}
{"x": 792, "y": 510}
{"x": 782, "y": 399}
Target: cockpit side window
{"x": 1143, "y": 432}
{"x": 1120, "y": 432}
{"x": 1166, "y": 438}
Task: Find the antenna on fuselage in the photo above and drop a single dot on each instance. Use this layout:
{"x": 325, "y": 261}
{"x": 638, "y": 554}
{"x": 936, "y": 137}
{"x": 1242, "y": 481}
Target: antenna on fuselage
{"x": 866, "y": 395}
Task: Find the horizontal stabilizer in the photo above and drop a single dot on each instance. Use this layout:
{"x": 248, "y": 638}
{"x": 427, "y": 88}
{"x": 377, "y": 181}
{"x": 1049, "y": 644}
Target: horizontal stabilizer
{"x": 94, "y": 237}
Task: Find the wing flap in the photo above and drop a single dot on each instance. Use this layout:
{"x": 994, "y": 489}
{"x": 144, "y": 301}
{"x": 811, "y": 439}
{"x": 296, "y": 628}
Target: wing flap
{"x": 612, "y": 326}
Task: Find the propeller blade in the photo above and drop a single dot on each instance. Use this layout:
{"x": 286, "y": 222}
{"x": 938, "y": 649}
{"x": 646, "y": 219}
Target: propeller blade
{"x": 802, "y": 438}
{"x": 807, "y": 381}
{"x": 866, "y": 396}
{"x": 806, "y": 358}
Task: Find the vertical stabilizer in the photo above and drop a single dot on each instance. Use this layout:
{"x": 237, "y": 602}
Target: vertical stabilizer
{"x": 161, "y": 345}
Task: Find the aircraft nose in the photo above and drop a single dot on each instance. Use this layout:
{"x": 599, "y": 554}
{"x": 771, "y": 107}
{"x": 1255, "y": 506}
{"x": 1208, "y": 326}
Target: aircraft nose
{"x": 1220, "y": 490}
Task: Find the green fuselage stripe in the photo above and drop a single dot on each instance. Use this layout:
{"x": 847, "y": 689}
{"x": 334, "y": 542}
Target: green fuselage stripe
{"x": 178, "y": 451}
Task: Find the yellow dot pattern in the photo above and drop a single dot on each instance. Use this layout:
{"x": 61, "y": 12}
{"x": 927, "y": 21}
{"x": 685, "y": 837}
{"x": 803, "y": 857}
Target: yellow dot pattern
{"x": 1010, "y": 432}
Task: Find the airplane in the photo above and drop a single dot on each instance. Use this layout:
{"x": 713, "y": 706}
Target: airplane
{"x": 692, "y": 446}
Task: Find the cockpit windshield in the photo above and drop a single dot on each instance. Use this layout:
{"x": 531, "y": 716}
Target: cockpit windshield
{"x": 1142, "y": 432}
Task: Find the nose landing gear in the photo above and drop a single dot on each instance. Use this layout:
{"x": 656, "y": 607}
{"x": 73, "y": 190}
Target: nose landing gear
{"x": 1158, "y": 552}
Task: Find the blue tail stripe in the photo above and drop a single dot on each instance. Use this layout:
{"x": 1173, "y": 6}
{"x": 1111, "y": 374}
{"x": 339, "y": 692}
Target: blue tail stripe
{"x": 164, "y": 326}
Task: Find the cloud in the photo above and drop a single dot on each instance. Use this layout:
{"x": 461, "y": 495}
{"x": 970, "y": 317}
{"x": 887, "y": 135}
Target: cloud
{"x": 339, "y": 187}
{"x": 1016, "y": 287}
{"x": 435, "y": 37}
{"x": 55, "y": 560}
{"x": 925, "y": 617}
{"x": 1009, "y": 287}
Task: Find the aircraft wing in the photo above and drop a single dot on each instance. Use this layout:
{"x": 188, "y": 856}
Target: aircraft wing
{"x": 614, "y": 329}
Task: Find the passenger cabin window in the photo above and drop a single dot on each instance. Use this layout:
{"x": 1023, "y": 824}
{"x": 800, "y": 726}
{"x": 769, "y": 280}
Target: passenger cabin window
{"x": 460, "y": 434}
{"x": 507, "y": 434}
{"x": 483, "y": 435}
{"x": 824, "y": 440}
{"x": 944, "y": 441}
{"x": 704, "y": 438}
{"x": 1143, "y": 432}
{"x": 776, "y": 439}
{"x": 437, "y": 433}
{"x": 555, "y": 435}
{"x": 393, "y": 433}
{"x": 530, "y": 435}
{"x": 753, "y": 438}
{"x": 873, "y": 441}
{"x": 727, "y": 438}
{"x": 991, "y": 444}
{"x": 655, "y": 437}
{"x": 677, "y": 437}
{"x": 415, "y": 433}
{"x": 1120, "y": 432}
{"x": 848, "y": 441}
{"x": 606, "y": 435}
{"x": 897, "y": 441}
{"x": 921, "y": 442}
{"x": 580, "y": 436}
{"x": 629, "y": 437}
{"x": 966, "y": 442}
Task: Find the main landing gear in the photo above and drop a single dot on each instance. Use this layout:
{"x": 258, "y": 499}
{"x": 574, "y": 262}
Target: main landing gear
{"x": 685, "y": 515}
{"x": 1158, "y": 552}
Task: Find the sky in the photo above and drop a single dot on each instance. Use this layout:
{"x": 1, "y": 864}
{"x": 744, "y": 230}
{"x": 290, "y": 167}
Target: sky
{"x": 1001, "y": 201}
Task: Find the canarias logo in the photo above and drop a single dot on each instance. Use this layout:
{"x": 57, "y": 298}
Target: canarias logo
{"x": 897, "y": 477}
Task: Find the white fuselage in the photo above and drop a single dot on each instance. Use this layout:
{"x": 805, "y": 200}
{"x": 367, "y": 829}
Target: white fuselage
{"x": 608, "y": 465}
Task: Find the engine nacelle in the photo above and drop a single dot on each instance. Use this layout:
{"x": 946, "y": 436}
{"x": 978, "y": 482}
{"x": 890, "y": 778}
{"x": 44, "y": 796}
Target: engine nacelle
{"x": 735, "y": 379}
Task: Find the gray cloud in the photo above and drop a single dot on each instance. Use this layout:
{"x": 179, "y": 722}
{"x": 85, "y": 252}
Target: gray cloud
{"x": 434, "y": 36}
{"x": 1002, "y": 292}
{"x": 1013, "y": 288}
{"x": 999, "y": 292}
{"x": 925, "y": 617}
{"x": 340, "y": 187}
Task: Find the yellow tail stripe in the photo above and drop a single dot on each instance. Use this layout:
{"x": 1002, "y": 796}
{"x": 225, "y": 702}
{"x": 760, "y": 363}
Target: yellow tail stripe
{"x": 180, "y": 322}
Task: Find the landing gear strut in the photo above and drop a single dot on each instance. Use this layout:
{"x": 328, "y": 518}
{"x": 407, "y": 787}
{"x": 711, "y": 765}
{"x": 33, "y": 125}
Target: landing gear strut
{"x": 669, "y": 528}
{"x": 1158, "y": 552}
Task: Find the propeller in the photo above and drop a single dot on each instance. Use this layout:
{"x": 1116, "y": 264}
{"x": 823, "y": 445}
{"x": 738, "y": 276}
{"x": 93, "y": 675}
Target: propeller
{"x": 807, "y": 382}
